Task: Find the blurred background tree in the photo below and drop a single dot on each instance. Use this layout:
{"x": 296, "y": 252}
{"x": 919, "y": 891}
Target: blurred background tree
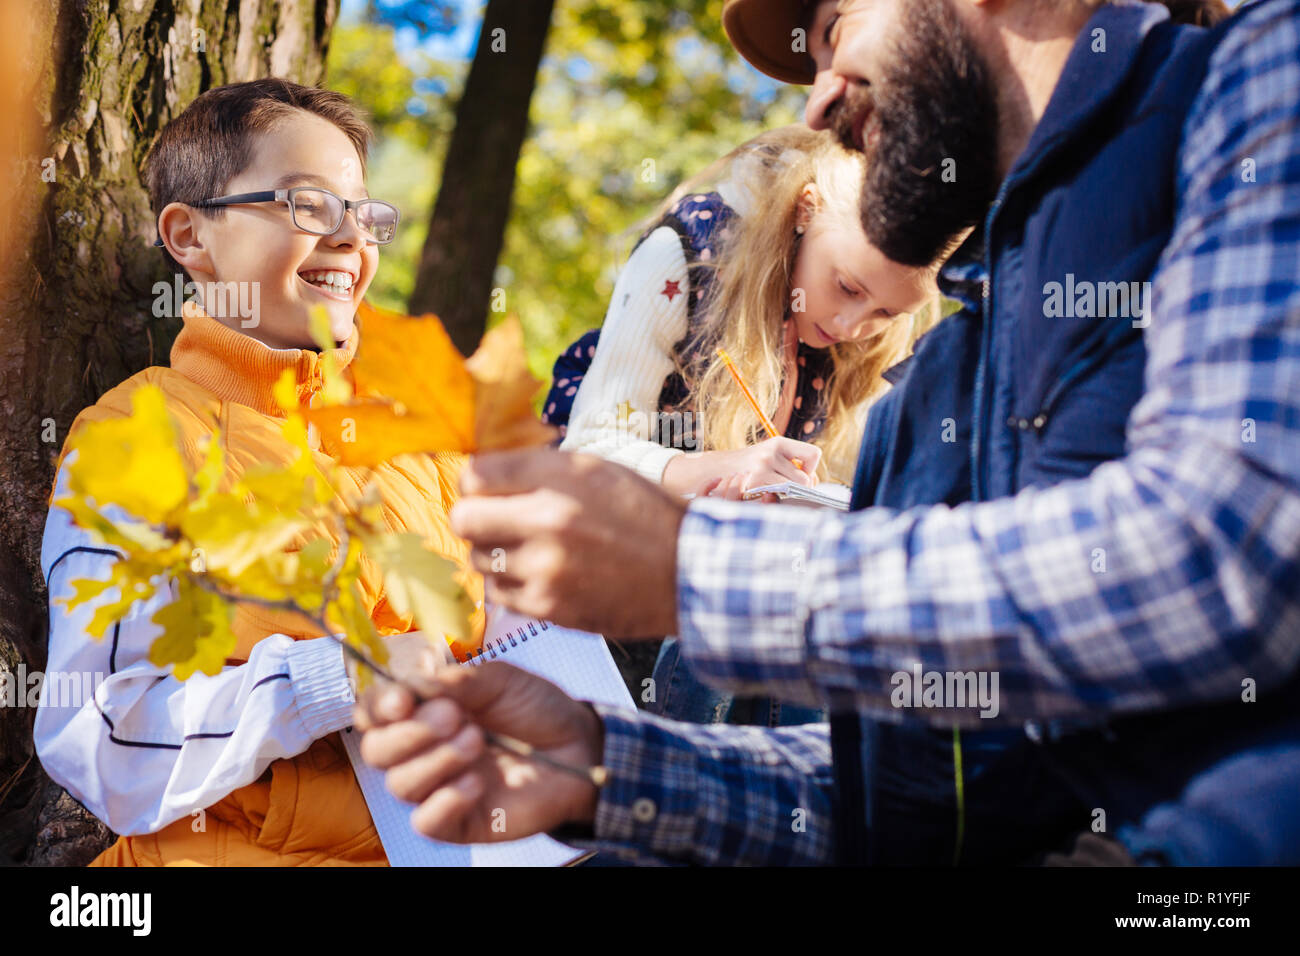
{"x": 630, "y": 98}
{"x": 454, "y": 277}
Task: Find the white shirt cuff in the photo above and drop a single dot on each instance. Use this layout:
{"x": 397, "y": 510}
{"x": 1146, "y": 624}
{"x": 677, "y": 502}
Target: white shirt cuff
{"x": 653, "y": 461}
{"x": 320, "y": 685}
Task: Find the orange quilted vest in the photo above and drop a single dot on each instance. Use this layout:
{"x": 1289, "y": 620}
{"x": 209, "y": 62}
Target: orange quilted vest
{"x": 308, "y": 810}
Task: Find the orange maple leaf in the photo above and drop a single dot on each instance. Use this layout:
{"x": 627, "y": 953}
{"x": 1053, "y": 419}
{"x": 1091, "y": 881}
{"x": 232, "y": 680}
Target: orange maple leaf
{"x": 415, "y": 393}
{"x": 504, "y": 390}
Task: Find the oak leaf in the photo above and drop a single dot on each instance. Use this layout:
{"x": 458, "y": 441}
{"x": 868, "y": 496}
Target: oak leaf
{"x": 503, "y": 392}
{"x": 133, "y": 462}
{"x": 422, "y": 584}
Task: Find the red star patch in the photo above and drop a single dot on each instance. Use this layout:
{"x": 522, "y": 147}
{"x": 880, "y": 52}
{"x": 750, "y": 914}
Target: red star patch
{"x": 670, "y": 289}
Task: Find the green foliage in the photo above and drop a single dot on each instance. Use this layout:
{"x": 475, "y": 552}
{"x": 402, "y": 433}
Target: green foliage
{"x": 413, "y": 125}
{"x": 397, "y": 90}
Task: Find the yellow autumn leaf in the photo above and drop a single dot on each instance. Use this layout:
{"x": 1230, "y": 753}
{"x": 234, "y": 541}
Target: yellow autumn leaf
{"x": 295, "y": 486}
{"x": 348, "y": 613}
{"x": 196, "y": 632}
{"x": 232, "y": 533}
{"x": 133, "y": 462}
{"x": 288, "y": 576}
{"x": 307, "y": 569}
{"x": 124, "y": 534}
{"x": 107, "y": 612}
{"x": 302, "y": 468}
{"x": 270, "y": 579}
{"x": 83, "y": 590}
{"x": 207, "y": 480}
{"x": 422, "y": 584}
{"x": 335, "y": 387}
{"x": 318, "y": 327}
{"x": 285, "y": 390}
{"x": 291, "y": 489}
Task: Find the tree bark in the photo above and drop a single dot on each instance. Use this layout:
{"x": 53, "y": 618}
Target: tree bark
{"x": 95, "y": 82}
{"x": 454, "y": 276}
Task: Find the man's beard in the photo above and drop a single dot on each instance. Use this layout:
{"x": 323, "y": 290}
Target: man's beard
{"x": 932, "y": 167}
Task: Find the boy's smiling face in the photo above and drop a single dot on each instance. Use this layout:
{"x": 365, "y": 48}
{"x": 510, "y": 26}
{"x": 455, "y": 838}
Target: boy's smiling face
{"x": 259, "y": 243}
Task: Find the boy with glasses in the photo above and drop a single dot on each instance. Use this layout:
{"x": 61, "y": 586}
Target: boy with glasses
{"x": 255, "y": 185}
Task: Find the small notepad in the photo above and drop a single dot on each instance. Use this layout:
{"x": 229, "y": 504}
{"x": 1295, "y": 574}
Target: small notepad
{"x": 828, "y": 494}
{"x": 579, "y": 663}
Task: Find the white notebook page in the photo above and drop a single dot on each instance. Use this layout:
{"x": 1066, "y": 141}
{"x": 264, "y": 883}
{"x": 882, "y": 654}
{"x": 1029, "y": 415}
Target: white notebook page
{"x": 577, "y": 662}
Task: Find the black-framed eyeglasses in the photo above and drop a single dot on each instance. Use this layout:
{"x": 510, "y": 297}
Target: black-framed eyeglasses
{"x": 320, "y": 211}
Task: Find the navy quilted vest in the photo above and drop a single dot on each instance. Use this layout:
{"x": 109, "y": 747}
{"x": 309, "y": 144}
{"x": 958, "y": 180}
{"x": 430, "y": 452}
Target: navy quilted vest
{"x": 1033, "y": 381}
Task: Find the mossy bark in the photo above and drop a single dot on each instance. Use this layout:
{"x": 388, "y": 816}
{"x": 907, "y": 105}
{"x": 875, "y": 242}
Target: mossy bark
{"x": 97, "y": 80}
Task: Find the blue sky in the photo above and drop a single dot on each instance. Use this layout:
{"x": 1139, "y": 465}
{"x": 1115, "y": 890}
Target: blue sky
{"x": 458, "y": 45}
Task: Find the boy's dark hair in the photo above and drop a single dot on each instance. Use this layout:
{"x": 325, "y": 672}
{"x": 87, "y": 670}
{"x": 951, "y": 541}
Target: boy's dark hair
{"x": 199, "y": 152}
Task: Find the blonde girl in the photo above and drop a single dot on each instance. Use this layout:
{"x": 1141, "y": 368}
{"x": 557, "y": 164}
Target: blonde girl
{"x": 772, "y": 265}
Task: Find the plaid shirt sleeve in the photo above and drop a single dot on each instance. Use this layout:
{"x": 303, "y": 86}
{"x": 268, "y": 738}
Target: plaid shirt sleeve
{"x": 1166, "y": 577}
{"x": 714, "y": 795}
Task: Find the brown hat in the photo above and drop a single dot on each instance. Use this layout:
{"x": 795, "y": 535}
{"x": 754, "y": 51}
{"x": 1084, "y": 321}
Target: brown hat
{"x": 762, "y": 32}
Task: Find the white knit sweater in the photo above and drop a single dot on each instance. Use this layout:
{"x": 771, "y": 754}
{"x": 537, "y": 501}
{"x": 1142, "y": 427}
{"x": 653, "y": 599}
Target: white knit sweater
{"x": 616, "y": 408}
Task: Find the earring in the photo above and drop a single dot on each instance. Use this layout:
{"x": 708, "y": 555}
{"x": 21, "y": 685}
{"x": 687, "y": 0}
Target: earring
{"x": 798, "y": 230}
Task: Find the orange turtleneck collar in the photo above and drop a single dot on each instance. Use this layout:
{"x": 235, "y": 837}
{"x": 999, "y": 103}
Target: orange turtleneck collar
{"x": 238, "y": 368}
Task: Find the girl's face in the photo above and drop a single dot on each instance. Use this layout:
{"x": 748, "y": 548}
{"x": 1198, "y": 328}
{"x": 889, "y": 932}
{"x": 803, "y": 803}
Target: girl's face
{"x": 844, "y": 289}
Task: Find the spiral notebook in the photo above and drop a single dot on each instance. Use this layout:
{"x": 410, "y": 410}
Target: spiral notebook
{"x": 827, "y": 494}
{"x": 579, "y": 663}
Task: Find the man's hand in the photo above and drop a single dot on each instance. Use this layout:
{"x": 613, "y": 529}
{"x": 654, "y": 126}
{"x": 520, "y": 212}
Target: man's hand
{"x": 413, "y": 659}
{"x": 573, "y": 539}
{"x": 436, "y": 754}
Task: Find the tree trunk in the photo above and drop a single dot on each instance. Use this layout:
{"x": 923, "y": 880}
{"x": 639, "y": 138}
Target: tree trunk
{"x": 454, "y": 277}
{"x": 93, "y": 81}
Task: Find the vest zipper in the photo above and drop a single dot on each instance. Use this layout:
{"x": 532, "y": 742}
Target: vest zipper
{"x": 976, "y": 475}
{"x": 981, "y": 367}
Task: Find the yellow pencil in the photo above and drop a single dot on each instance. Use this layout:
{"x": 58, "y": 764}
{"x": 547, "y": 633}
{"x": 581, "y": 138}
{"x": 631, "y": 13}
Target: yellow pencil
{"x": 753, "y": 402}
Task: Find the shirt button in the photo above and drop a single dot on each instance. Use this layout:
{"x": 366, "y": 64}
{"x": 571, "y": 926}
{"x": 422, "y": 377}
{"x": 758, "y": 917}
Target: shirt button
{"x": 644, "y": 810}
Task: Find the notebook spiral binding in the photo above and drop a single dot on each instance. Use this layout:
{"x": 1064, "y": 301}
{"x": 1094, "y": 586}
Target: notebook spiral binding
{"x": 498, "y": 647}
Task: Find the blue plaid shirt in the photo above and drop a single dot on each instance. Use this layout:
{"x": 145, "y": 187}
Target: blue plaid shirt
{"x": 1197, "y": 528}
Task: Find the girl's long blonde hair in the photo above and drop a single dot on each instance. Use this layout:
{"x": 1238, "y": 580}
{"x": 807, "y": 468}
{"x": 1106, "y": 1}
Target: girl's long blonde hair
{"x": 751, "y": 294}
